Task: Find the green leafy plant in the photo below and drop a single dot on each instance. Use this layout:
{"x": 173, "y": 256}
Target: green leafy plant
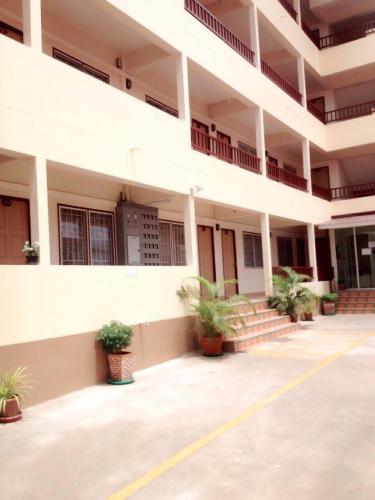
{"x": 329, "y": 297}
{"x": 115, "y": 336}
{"x": 289, "y": 292}
{"x": 13, "y": 385}
{"x": 217, "y": 315}
{"x": 31, "y": 250}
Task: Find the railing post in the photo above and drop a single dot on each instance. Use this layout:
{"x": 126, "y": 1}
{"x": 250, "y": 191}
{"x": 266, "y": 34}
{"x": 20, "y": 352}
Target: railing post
{"x": 266, "y": 252}
{"x": 307, "y": 163}
{"x": 260, "y": 141}
{"x": 190, "y": 230}
{"x": 302, "y": 79}
{"x": 312, "y": 250}
{"x": 32, "y": 23}
{"x": 39, "y": 220}
{"x": 254, "y": 33}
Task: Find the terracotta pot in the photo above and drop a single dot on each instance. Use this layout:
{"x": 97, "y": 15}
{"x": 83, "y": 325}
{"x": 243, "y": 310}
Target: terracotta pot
{"x": 308, "y": 316}
{"x": 11, "y": 412}
{"x": 32, "y": 259}
{"x": 212, "y": 346}
{"x": 121, "y": 367}
{"x": 294, "y": 318}
{"x": 329, "y": 308}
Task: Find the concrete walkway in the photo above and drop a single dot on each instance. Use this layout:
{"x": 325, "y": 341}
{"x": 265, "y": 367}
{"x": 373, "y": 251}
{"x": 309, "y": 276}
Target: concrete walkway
{"x": 292, "y": 419}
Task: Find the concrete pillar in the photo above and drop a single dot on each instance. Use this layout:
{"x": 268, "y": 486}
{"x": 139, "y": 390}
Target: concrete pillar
{"x": 302, "y": 79}
{"x": 254, "y": 33}
{"x": 306, "y": 163}
{"x": 39, "y": 219}
{"x": 332, "y": 246}
{"x": 191, "y": 243}
{"x": 312, "y": 250}
{"x": 183, "y": 88}
{"x": 260, "y": 139}
{"x": 297, "y": 8}
{"x": 32, "y": 23}
{"x": 266, "y": 252}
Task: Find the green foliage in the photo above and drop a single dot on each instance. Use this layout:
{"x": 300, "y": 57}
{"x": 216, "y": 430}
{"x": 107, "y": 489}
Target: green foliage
{"x": 13, "y": 385}
{"x": 329, "y": 297}
{"x": 31, "y": 250}
{"x": 115, "y": 336}
{"x": 216, "y": 315}
{"x": 289, "y": 292}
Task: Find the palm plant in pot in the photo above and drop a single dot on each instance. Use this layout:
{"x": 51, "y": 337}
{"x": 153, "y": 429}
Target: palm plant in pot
{"x": 114, "y": 338}
{"x": 13, "y": 388}
{"x": 216, "y": 315}
{"x": 289, "y": 292}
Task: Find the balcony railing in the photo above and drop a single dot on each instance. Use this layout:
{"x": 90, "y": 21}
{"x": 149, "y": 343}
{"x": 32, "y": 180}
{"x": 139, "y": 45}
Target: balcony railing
{"x": 211, "y": 146}
{"x": 280, "y": 175}
{"x": 356, "y": 191}
{"x": 308, "y": 271}
{"x": 350, "y": 112}
{"x": 354, "y": 33}
{"x": 289, "y": 8}
{"x": 211, "y": 22}
{"x": 313, "y": 35}
{"x": 320, "y": 115}
{"x": 279, "y": 80}
{"x": 321, "y": 191}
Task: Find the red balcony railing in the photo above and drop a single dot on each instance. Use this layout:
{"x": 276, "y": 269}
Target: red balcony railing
{"x": 356, "y": 191}
{"x": 308, "y": 271}
{"x": 289, "y": 8}
{"x": 320, "y": 115}
{"x": 279, "y": 80}
{"x": 313, "y": 35}
{"x": 350, "y": 112}
{"x": 354, "y": 33}
{"x": 211, "y": 22}
{"x": 226, "y": 152}
{"x": 321, "y": 191}
{"x": 280, "y": 175}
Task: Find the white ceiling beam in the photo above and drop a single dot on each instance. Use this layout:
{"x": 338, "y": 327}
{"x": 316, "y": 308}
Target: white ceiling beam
{"x": 142, "y": 59}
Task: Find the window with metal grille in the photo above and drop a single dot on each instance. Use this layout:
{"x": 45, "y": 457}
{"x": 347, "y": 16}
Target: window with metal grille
{"x": 285, "y": 251}
{"x": 86, "y": 236}
{"x": 242, "y": 146}
{"x": 289, "y": 168}
{"x": 80, "y": 65}
{"x": 172, "y": 243}
{"x": 161, "y": 106}
{"x": 252, "y": 244}
{"x": 11, "y": 32}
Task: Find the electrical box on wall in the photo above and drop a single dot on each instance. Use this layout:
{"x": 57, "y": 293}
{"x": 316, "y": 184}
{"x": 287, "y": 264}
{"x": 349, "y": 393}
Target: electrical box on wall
{"x": 137, "y": 229}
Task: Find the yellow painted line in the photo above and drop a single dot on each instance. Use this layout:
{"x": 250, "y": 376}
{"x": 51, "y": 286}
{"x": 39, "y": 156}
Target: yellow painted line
{"x": 178, "y": 457}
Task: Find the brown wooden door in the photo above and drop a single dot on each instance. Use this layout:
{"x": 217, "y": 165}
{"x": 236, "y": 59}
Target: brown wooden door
{"x": 200, "y": 136}
{"x": 224, "y": 149}
{"x": 228, "y": 244}
{"x": 206, "y": 252}
{"x": 14, "y": 230}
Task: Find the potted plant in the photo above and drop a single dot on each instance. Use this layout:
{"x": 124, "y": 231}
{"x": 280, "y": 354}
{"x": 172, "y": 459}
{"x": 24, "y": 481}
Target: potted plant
{"x": 13, "y": 389}
{"x": 308, "y": 311}
{"x": 329, "y": 303}
{"x": 289, "y": 293}
{"x": 216, "y": 315}
{"x": 31, "y": 252}
{"x": 115, "y": 337}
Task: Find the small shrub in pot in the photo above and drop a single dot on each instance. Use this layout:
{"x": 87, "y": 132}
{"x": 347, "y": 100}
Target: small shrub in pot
{"x": 329, "y": 303}
{"x": 114, "y": 338}
{"x": 13, "y": 388}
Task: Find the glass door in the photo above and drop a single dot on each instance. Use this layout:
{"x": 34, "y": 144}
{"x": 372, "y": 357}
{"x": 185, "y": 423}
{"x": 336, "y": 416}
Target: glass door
{"x": 365, "y": 240}
{"x": 346, "y": 258}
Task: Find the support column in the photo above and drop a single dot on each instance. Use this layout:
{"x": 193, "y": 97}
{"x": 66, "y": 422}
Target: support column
{"x": 32, "y": 23}
{"x": 307, "y": 163}
{"x": 254, "y": 33}
{"x": 312, "y": 250}
{"x": 266, "y": 252}
{"x": 302, "y": 79}
{"x": 297, "y": 8}
{"x": 332, "y": 246}
{"x": 183, "y": 89}
{"x": 39, "y": 219}
{"x": 191, "y": 243}
{"x": 260, "y": 142}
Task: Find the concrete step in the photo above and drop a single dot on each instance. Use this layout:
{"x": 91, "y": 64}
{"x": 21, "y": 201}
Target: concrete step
{"x": 237, "y": 344}
{"x": 349, "y": 298}
{"x": 359, "y": 310}
{"x": 355, "y": 305}
{"x": 249, "y": 316}
{"x": 260, "y": 325}
{"x": 357, "y": 293}
{"x": 258, "y": 304}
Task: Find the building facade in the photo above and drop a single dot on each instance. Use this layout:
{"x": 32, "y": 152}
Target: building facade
{"x": 143, "y": 142}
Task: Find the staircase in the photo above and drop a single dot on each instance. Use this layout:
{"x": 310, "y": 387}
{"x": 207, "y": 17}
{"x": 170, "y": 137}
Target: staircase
{"x": 356, "y": 302}
{"x": 258, "y": 326}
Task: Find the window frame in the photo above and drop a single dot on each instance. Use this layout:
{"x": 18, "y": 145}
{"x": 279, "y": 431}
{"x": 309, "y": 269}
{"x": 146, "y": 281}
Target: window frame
{"x": 172, "y": 223}
{"x": 88, "y": 249}
{"x": 254, "y": 237}
{"x": 61, "y": 56}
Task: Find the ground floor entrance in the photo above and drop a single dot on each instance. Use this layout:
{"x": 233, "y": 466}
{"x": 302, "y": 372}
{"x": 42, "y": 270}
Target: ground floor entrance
{"x": 14, "y": 229}
{"x": 355, "y": 254}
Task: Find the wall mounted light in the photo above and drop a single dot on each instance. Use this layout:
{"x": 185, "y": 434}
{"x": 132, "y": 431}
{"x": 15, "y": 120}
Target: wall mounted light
{"x": 6, "y": 201}
{"x": 217, "y": 227}
{"x": 118, "y": 62}
{"x": 128, "y": 84}
{"x": 213, "y": 127}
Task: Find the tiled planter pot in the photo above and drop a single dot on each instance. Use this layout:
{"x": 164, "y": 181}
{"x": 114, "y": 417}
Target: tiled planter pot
{"x": 121, "y": 367}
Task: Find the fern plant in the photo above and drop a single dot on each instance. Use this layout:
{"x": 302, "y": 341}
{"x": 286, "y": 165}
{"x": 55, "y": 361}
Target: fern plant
{"x": 289, "y": 292}
{"x": 217, "y": 315}
{"x": 13, "y": 385}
